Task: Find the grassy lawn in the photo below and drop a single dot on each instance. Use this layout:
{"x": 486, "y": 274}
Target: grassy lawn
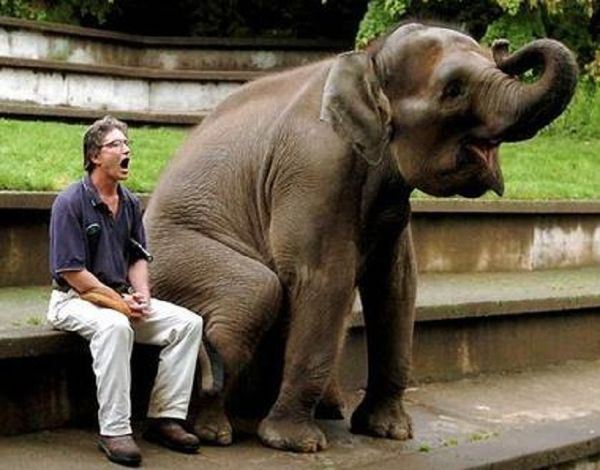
{"x": 552, "y": 167}
{"x": 47, "y": 156}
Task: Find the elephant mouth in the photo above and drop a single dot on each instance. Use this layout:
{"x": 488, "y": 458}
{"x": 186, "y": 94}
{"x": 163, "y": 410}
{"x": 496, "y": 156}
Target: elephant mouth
{"x": 479, "y": 153}
{"x": 482, "y": 150}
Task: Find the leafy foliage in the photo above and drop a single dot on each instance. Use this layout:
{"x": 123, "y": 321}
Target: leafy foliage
{"x": 21, "y": 9}
{"x": 63, "y": 11}
{"x": 334, "y": 19}
{"x": 574, "y": 22}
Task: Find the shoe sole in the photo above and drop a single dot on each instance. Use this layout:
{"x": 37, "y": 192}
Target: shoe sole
{"x": 120, "y": 460}
{"x": 156, "y": 439}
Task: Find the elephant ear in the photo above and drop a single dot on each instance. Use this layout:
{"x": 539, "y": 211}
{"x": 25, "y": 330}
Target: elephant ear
{"x": 355, "y": 105}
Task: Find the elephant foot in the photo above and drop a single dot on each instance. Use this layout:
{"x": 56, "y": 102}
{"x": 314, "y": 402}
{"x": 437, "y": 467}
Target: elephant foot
{"x": 382, "y": 420}
{"x": 304, "y": 436}
{"x": 213, "y": 426}
{"x": 331, "y": 411}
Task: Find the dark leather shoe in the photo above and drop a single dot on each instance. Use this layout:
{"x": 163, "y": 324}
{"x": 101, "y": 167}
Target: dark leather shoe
{"x": 121, "y": 449}
{"x": 171, "y": 434}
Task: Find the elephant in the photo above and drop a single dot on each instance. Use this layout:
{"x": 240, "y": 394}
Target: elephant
{"x": 293, "y": 194}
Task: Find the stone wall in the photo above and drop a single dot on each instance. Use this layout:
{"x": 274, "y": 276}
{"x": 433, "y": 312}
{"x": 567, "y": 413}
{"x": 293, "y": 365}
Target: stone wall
{"x": 460, "y": 236}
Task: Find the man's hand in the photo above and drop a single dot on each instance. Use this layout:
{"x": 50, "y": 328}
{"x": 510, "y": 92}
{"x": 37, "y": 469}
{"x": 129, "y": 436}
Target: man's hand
{"x": 138, "y": 303}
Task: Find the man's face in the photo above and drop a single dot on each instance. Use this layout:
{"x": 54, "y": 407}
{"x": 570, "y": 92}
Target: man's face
{"x": 114, "y": 156}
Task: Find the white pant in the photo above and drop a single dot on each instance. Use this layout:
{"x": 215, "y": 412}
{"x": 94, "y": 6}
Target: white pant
{"x": 111, "y": 335}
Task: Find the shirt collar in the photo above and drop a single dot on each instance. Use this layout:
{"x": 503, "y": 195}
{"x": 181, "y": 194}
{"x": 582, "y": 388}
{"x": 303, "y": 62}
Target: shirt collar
{"x": 93, "y": 195}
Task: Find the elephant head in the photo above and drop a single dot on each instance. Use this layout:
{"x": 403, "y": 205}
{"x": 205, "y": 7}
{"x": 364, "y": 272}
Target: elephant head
{"x": 440, "y": 105}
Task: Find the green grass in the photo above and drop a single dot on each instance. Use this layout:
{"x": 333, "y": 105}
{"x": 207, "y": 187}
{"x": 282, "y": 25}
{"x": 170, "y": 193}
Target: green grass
{"x": 45, "y": 156}
{"x": 552, "y": 167}
{"x": 549, "y": 167}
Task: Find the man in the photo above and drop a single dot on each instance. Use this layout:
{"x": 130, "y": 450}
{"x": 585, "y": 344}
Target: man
{"x": 99, "y": 267}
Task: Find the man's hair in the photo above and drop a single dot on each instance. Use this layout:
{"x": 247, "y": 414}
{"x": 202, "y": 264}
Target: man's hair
{"x": 94, "y": 135}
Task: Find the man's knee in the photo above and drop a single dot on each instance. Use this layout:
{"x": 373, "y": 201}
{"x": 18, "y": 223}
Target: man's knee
{"x": 191, "y": 320}
{"x": 195, "y": 323}
{"x": 118, "y": 325}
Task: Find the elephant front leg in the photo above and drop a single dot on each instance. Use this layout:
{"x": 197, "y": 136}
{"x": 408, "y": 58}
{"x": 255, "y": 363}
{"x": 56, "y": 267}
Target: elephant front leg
{"x": 317, "y": 311}
{"x": 388, "y": 290}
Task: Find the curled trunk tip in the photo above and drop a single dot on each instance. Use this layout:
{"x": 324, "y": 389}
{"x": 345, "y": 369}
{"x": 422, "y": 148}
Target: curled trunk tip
{"x": 538, "y": 104}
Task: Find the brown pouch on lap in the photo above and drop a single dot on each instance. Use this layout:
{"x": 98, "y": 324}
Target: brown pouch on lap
{"x": 106, "y": 297}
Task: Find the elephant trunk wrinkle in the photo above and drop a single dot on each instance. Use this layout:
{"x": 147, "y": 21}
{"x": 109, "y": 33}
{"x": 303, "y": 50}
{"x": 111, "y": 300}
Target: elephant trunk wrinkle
{"x": 542, "y": 101}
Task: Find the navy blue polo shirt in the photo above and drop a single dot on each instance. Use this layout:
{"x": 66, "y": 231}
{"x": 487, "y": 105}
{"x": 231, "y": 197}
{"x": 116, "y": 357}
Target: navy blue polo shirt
{"x": 80, "y": 223}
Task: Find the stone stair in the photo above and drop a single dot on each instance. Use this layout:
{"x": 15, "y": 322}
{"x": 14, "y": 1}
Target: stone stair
{"x": 479, "y": 335}
{"x": 543, "y": 418}
{"x": 57, "y": 71}
{"x": 508, "y": 297}
{"x": 467, "y": 324}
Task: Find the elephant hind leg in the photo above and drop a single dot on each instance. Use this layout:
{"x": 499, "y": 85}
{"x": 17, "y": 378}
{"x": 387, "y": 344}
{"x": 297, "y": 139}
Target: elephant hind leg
{"x": 331, "y": 404}
{"x": 238, "y": 297}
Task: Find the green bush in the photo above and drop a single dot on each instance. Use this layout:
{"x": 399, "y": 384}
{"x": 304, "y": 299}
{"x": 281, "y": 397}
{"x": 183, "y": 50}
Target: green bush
{"x": 21, "y": 9}
{"x": 333, "y": 19}
{"x": 520, "y": 21}
{"x": 61, "y": 11}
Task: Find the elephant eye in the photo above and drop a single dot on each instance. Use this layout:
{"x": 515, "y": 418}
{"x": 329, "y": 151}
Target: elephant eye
{"x": 453, "y": 89}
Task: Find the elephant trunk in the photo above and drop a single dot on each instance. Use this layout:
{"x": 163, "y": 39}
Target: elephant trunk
{"x": 529, "y": 107}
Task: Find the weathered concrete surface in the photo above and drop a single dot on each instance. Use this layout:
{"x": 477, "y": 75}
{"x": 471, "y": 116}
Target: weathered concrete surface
{"x": 535, "y": 419}
{"x": 47, "y": 41}
{"x": 24, "y": 247}
{"x": 79, "y": 90}
{"x": 464, "y": 327}
{"x": 34, "y": 111}
{"x": 443, "y": 296}
{"x": 440, "y": 296}
{"x": 164, "y": 80}
{"x": 505, "y": 241}
{"x": 439, "y": 206}
{"x": 450, "y": 236}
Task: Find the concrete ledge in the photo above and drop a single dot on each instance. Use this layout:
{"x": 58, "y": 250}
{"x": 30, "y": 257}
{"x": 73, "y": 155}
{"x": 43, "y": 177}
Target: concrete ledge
{"x": 504, "y": 206}
{"x": 237, "y": 76}
{"x": 75, "y": 45}
{"x": 538, "y": 446}
{"x": 449, "y": 348}
{"x": 20, "y": 200}
{"x": 518, "y": 236}
{"x": 137, "y": 40}
{"x": 452, "y": 296}
{"x": 129, "y": 93}
{"x": 543, "y": 418}
{"x": 22, "y": 109}
{"x": 10, "y": 199}
{"x": 440, "y": 298}
{"x": 37, "y": 342}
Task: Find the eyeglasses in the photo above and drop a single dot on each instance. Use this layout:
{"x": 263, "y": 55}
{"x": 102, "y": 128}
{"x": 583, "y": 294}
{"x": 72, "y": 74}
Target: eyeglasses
{"x": 118, "y": 143}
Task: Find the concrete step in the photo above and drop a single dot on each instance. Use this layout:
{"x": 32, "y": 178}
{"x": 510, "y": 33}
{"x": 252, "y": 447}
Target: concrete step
{"x": 466, "y": 324}
{"x": 76, "y": 45}
{"x": 66, "y": 72}
{"x": 92, "y": 87}
{"x": 441, "y": 297}
{"x": 121, "y": 71}
{"x": 23, "y": 109}
{"x": 455, "y": 235}
{"x": 446, "y": 302}
{"x": 544, "y": 418}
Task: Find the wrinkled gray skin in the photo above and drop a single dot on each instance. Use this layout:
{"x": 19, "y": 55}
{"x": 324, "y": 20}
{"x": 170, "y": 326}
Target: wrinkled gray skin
{"x": 295, "y": 191}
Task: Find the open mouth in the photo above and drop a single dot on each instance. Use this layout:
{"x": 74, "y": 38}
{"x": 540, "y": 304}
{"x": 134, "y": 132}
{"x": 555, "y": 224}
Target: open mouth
{"x": 482, "y": 149}
{"x": 480, "y": 157}
{"x": 125, "y": 163}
